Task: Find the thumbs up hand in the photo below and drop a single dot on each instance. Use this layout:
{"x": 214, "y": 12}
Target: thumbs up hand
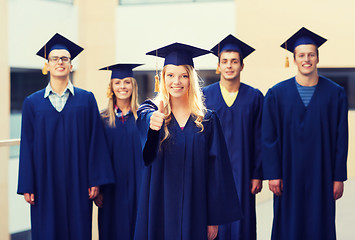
{"x": 157, "y": 118}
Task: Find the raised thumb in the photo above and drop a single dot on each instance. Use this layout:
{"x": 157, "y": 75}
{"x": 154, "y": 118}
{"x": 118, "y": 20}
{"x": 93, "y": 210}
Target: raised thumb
{"x": 161, "y": 106}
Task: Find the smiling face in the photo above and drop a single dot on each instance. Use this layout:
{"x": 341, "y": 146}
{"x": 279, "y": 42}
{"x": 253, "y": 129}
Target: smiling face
{"x": 122, "y": 88}
{"x": 230, "y": 65}
{"x": 177, "y": 81}
{"x": 59, "y": 69}
{"x": 306, "y": 59}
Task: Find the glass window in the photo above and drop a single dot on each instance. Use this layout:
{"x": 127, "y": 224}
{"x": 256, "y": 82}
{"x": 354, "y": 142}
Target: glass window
{"x": 345, "y": 77}
{"x": 23, "y": 83}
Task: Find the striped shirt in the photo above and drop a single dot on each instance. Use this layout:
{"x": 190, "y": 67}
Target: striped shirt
{"x": 305, "y": 92}
{"x": 57, "y": 101}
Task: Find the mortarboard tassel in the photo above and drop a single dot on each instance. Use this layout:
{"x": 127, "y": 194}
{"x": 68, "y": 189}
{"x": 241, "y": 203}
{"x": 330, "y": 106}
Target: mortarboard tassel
{"x": 156, "y": 86}
{"x": 44, "y": 69}
{"x": 287, "y": 63}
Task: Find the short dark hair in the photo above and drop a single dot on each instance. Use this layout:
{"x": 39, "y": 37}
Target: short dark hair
{"x": 240, "y": 56}
{"x": 317, "y": 52}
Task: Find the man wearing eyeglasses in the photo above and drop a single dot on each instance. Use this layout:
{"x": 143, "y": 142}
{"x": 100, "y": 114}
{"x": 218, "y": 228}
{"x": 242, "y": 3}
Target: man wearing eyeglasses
{"x": 63, "y": 154}
{"x": 59, "y": 66}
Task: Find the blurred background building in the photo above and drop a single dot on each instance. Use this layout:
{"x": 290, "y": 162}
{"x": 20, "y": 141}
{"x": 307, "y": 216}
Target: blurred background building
{"x": 113, "y": 31}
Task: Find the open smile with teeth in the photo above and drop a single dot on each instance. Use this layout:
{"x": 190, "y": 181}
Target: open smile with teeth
{"x": 307, "y": 65}
{"x": 177, "y": 88}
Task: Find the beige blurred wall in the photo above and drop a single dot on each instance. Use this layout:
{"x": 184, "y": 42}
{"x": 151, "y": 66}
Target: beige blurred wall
{"x": 97, "y": 35}
{"x": 4, "y": 119}
{"x": 265, "y": 25}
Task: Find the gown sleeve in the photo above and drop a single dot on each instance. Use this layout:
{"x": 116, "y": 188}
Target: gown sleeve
{"x": 99, "y": 166}
{"x": 223, "y": 203}
{"x": 257, "y": 160}
{"x": 26, "y": 180}
{"x": 149, "y": 138}
{"x": 271, "y": 149}
{"x": 340, "y": 172}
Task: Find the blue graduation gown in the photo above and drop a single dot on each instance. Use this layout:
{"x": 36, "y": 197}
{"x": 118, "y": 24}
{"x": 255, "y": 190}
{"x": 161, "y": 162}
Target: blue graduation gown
{"x": 307, "y": 148}
{"x": 241, "y": 125}
{"x": 117, "y": 218}
{"x": 188, "y": 183}
{"x": 62, "y": 154}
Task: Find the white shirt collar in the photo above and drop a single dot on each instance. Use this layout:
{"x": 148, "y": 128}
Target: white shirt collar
{"x": 49, "y": 89}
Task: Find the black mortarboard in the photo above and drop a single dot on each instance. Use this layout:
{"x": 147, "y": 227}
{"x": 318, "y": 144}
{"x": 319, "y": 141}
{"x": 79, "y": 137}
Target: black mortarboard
{"x": 59, "y": 42}
{"x": 178, "y": 54}
{"x": 232, "y": 43}
{"x": 121, "y": 70}
{"x": 301, "y": 37}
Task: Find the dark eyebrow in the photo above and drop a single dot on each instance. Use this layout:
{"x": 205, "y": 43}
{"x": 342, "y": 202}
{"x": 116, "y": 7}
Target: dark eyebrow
{"x": 230, "y": 59}
{"x": 60, "y": 56}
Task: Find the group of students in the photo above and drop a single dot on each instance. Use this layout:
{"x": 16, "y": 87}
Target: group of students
{"x": 188, "y": 163}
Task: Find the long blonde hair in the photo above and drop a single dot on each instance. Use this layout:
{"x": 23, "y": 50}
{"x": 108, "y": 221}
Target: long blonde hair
{"x": 196, "y": 101}
{"x": 109, "y": 112}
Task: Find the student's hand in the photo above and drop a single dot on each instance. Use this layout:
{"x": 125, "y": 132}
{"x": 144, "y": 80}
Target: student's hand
{"x": 93, "y": 192}
{"x": 276, "y": 186}
{"x": 30, "y": 198}
{"x": 338, "y": 189}
{"x": 255, "y": 186}
{"x": 212, "y": 232}
{"x": 157, "y": 118}
{"x": 99, "y": 200}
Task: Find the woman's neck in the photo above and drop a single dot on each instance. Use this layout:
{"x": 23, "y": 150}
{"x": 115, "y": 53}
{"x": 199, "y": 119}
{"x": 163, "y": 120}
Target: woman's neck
{"x": 181, "y": 110}
{"x": 180, "y": 103}
{"x": 123, "y": 105}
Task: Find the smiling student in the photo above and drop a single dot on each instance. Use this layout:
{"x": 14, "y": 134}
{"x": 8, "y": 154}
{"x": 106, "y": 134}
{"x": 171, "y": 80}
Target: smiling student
{"x": 305, "y": 144}
{"x": 118, "y": 202}
{"x": 187, "y": 184}
{"x": 239, "y": 108}
{"x": 63, "y": 153}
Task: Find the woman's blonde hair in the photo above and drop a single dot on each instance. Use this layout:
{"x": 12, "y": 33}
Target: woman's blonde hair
{"x": 196, "y": 101}
{"x": 109, "y": 112}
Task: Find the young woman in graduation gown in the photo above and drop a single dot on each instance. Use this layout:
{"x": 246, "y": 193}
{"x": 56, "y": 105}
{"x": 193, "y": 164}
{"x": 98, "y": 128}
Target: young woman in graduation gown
{"x": 118, "y": 202}
{"x": 187, "y": 185}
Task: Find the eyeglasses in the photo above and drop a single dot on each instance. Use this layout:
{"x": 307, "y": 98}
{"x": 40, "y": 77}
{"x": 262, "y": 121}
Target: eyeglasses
{"x": 56, "y": 59}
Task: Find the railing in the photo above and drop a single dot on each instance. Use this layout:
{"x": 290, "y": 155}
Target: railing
{"x": 10, "y": 142}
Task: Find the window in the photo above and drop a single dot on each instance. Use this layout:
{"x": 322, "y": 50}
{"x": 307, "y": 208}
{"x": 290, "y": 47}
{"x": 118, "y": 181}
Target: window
{"x": 23, "y": 83}
{"x": 345, "y": 77}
